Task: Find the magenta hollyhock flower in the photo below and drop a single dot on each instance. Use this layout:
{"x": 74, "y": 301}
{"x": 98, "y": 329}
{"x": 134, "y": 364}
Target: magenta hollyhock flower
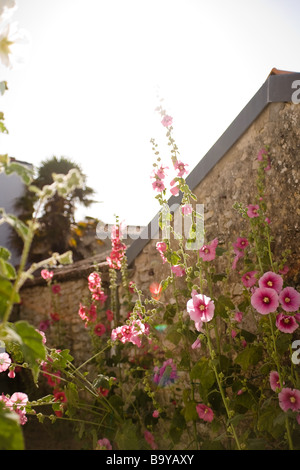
{"x": 249, "y": 279}
{"x": 200, "y": 308}
{"x": 286, "y": 323}
{"x": 289, "y": 399}
{"x": 208, "y": 252}
{"x": 155, "y": 414}
{"x": 99, "y": 329}
{"x": 5, "y": 362}
{"x": 56, "y": 289}
{"x": 60, "y": 396}
{"x": 47, "y": 275}
{"x": 179, "y": 271}
{"x": 272, "y": 280}
{"x": 253, "y": 211}
{"x": 241, "y": 243}
{"x": 233, "y": 334}
{"x": 205, "y": 412}
{"x": 265, "y": 300}
{"x": 103, "y": 444}
{"x": 289, "y": 299}
{"x": 167, "y": 120}
{"x": 274, "y": 381}
{"x": 109, "y": 315}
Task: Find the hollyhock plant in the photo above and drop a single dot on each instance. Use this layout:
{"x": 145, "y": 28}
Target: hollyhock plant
{"x": 265, "y": 300}
{"x": 249, "y": 279}
{"x": 252, "y": 211}
{"x": 274, "y": 381}
{"x": 200, "y": 308}
{"x": 272, "y": 280}
{"x": 286, "y": 323}
{"x": 205, "y": 412}
{"x": 289, "y": 399}
{"x": 289, "y": 299}
{"x": 208, "y": 252}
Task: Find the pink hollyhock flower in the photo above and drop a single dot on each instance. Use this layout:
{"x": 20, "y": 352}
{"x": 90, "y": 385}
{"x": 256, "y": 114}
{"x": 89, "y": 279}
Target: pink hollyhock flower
{"x": 208, "y": 252}
{"x": 47, "y": 275}
{"x": 44, "y": 339}
{"x": 238, "y": 316}
{"x": 150, "y": 440}
{"x": 289, "y": 299}
{"x": 199, "y": 326}
{"x": 44, "y": 325}
{"x": 18, "y": 401}
{"x": 155, "y": 414}
{"x": 56, "y": 289}
{"x": 205, "y": 413}
{"x": 161, "y": 247}
{"x": 252, "y": 211}
{"x": 54, "y": 316}
{"x": 116, "y": 334}
{"x": 249, "y": 279}
{"x": 286, "y": 323}
{"x": 265, "y": 300}
{"x": 196, "y": 344}
{"x": 284, "y": 270}
{"x": 155, "y": 290}
{"x": 244, "y": 343}
{"x": 187, "y": 209}
{"x": 103, "y": 444}
{"x": 180, "y": 167}
{"x": 233, "y": 333}
{"x": 103, "y": 391}
{"x": 94, "y": 281}
{"x": 99, "y": 329}
{"x": 238, "y": 254}
{"x": 200, "y": 308}
{"x": 5, "y": 362}
{"x": 160, "y": 173}
{"x": 167, "y": 120}
{"x": 11, "y": 374}
{"x": 179, "y": 271}
{"x": 274, "y": 381}
{"x": 289, "y": 399}
{"x": 158, "y": 185}
{"x": 241, "y": 243}
{"x": 272, "y": 280}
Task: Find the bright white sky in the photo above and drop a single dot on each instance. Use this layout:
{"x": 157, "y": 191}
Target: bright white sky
{"x": 89, "y": 87}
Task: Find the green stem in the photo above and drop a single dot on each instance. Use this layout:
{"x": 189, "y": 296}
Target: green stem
{"x": 212, "y": 355}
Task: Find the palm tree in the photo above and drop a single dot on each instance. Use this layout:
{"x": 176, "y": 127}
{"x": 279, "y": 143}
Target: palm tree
{"x": 56, "y": 217}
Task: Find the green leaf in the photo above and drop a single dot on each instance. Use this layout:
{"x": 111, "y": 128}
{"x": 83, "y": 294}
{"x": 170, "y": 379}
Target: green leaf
{"x": 190, "y": 412}
{"x": 203, "y": 373}
{"x": 178, "y": 424}
{"x": 4, "y": 253}
{"x": 21, "y": 229}
{"x": 11, "y": 436}
{"x": 6, "y": 293}
{"x": 222, "y": 305}
{"x": 126, "y": 437}
{"x": 31, "y": 345}
{"x": 25, "y": 173}
{"x": 250, "y": 356}
{"x": 7, "y": 270}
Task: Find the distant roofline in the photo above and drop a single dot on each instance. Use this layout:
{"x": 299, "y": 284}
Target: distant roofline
{"x": 276, "y": 89}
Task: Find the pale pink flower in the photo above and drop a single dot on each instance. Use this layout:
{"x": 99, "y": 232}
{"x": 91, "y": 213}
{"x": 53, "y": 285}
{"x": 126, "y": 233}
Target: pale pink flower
{"x": 178, "y": 270}
{"x": 272, "y": 280}
{"x": 167, "y": 120}
{"x": 5, "y": 361}
{"x": 286, "y": 323}
{"x": 187, "y": 209}
{"x": 252, "y": 211}
{"x": 289, "y": 399}
{"x": 196, "y": 344}
{"x": 205, "y": 412}
{"x": 200, "y": 308}
{"x": 289, "y": 299}
{"x": 249, "y": 279}
{"x": 175, "y": 191}
{"x": 158, "y": 185}
{"x": 161, "y": 247}
{"x": 180, "y": 167}
{"x": 265, "y": 300}
{"x": 208, "y": 252}
{"x": 274, "y": 381}
{"x": 160, "y": 173}
{"x": 103, "y": 444}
